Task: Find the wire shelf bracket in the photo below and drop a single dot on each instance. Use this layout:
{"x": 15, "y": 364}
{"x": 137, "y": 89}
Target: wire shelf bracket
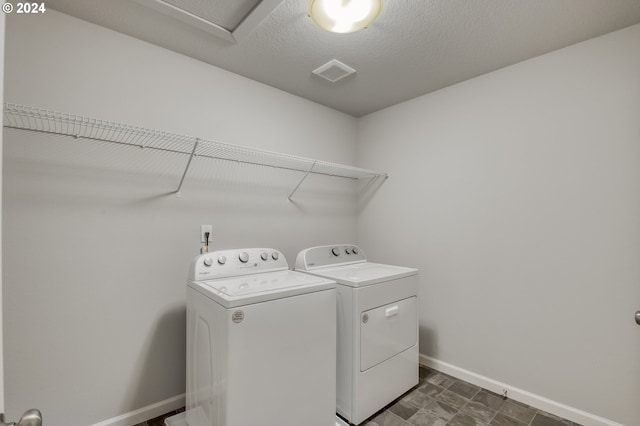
{"x": 301, "y": 180}
{"x": 47, "y": 121}
{"x": 186, "y": 168}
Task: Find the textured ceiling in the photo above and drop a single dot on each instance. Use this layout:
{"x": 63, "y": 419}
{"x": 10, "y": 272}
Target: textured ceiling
{"x": 415, "y": 47}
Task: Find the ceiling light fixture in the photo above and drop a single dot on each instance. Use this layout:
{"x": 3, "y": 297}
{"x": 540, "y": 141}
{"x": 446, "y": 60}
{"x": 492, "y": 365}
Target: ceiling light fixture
{"x": 344, "y": 16}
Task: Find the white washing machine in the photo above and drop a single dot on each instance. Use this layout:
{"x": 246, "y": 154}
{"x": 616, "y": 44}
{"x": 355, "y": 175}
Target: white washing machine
{"x": 377, "y": 359}
{"x": 260, "y": 342}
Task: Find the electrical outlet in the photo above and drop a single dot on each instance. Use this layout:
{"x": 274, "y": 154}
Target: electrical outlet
{"x": 203, "y": 229}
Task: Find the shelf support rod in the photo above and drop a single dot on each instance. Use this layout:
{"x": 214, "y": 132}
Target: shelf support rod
{"x": 370, "y": 183}
{"x": 301, "y": 180}
{"x": 186, "y": 169}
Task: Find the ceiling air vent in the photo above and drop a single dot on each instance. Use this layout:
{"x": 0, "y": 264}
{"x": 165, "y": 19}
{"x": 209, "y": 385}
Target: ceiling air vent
{"x": 334, "y": 70}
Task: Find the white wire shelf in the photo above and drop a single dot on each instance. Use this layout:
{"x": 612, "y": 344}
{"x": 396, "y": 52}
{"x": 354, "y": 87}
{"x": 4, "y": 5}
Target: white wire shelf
{"x": 47, "y": 121}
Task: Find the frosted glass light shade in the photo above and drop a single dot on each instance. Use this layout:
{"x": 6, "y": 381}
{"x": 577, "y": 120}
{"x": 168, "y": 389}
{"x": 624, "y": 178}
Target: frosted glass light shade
{"x": 344, "y": 16}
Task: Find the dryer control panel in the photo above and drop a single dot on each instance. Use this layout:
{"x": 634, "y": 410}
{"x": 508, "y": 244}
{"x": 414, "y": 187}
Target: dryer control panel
{"x": 236, "y": 262}
{"x": 321, "y": 256}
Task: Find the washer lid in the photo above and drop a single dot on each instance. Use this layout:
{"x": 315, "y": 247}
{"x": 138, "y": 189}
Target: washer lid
{"x": 254, "y": 288}
{"x": 363, "y": 274}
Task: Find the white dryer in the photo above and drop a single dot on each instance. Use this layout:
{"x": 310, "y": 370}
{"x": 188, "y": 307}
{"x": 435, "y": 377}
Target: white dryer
{"x": 260, "y": 342}
{"x": 377, "y": 359}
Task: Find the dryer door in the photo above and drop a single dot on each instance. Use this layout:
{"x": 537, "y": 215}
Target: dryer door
{"x": 387, "y": 330}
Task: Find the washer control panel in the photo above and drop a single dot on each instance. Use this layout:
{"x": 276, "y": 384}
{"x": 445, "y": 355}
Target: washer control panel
{"x": 335, "y": 255}
{"x": 231, "y": 263}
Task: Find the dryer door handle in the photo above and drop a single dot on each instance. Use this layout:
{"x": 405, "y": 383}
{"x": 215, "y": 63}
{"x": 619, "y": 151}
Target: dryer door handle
{"x": 389, "y": 312}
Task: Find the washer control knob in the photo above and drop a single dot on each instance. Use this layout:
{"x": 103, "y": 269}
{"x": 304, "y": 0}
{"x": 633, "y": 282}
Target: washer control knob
{"x": 222, "y": 260}
{"x": 264, "y": 256}
{"x": 335, "y": 251}
{"x": 208, "y": 261}
{"x": 275, "y": 255}
{"x": 347, "y": 250}
{"x": 244, "y": 257}
{"x": 354, "y": 250}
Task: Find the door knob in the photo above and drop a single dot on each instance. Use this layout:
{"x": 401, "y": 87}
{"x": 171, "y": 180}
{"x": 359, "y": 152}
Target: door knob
{"x": 638, "y": 317}
{"x": 32, "y": 417}
{"x": 29, "y": 418}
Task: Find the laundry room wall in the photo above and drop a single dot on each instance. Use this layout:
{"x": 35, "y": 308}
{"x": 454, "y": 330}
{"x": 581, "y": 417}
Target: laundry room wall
{"x": 517, "y": 195}
{"x": 2, "y": 26}
{"x": 97, "y": 248}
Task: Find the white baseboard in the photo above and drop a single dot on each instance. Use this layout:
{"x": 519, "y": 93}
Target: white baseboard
{"x": 537, "y": 401}
{"x": 145, "y": 413}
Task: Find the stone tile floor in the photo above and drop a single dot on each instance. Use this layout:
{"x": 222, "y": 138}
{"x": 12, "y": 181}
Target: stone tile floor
{"x": 159, "y": 421}
{"x": 442, "y": 400}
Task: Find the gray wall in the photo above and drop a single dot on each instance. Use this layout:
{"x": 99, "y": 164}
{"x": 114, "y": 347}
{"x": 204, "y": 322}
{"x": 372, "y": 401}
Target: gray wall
{"x": 2, "y": 27}
{"x": 517, "y": 194}
{"x": 96, "y": 251}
